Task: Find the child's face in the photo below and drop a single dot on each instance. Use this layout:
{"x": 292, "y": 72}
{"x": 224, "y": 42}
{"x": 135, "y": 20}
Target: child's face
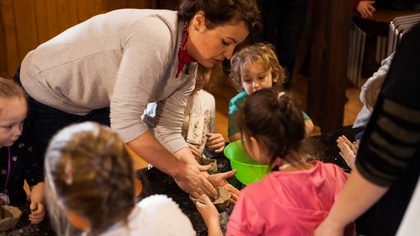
{"x": 12, "y": 115}
{"x": 255, "y": 77}
{"x": 255, "y": 150}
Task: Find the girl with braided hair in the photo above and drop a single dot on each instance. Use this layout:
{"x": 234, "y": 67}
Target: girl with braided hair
{"x": 90, "y": 188}
{"x": 298, "y": 194}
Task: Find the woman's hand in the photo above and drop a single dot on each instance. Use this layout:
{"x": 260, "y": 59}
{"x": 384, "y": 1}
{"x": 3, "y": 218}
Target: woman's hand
{"x": 348, "y": 151}
{"x": 215, "y": 142}
{"x": 219, "y": 180}
{"x": 366, "y": 9}
{"x": 192, "y": 178}
{"x": 37, "y": 212}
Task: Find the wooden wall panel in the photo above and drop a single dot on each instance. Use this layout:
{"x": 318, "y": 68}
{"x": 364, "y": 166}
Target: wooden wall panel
{"x": 329, "y": 55}
{"x": 46, "y": 19}
{"x": 67, "y": 14}
{"x": 25, "y": 24}
{"x": 87, "y": 9}
{"x": 112, "y": 4}
{"x": 10, "y": 38}
{"x": 3, "y": 62}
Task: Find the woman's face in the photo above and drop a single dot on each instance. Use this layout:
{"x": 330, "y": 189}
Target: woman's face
{"x": 212, "y": 46}
{"x": 255, "y": 77}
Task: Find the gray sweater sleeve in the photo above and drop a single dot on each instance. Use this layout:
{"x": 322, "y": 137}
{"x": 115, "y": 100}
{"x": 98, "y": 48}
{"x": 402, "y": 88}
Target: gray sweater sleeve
{"x": 147, "y": 74}
{"x": 170, "y": 116}
{"x": 364, "y": 114}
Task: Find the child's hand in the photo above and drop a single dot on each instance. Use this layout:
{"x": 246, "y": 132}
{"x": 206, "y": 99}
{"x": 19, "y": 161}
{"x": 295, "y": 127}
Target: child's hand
{"x": 208, "y": 211}
{"x": 366, "y": 9}
{"x": 195, "y": 151}
{"x": 37, "y": 212}
{"x": 234, "y": 193}
{"x": 355, "y": 146}
{"x": 347, "y": 151}
{"x": 215, "y": 142}
{"x": 219, "y": 180}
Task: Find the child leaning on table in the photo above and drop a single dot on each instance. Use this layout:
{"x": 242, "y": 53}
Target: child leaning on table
{"x": 90, "y": 183}
{"x": 298, "y": 194}
{"x": 19, "y": 161}
{"x": 348, "y": 150}
{"x": 253, "y": 68}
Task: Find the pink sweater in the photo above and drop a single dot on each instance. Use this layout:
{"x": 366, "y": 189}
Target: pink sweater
{"x": 288, "y": 203}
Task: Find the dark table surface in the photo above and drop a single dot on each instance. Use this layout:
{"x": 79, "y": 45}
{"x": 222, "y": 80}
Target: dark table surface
{"x": 326, "y": 144}
{"x": 24, "y": 226}
{"x": 157, "y": 182}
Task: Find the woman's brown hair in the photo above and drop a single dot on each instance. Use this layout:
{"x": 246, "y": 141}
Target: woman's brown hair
{"x": 222, "y": 12}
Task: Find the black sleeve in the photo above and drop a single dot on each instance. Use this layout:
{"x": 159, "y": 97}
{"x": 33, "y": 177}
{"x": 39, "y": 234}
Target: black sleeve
{"x": 392, "y": 137}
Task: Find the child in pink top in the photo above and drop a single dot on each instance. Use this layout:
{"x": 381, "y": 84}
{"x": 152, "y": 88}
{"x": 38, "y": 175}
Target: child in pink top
{"x": 298, "y": 194}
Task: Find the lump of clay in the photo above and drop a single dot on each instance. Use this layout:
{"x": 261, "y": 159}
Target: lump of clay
{"x": 10, "y": 218}
{"x": 222, "y": 199}
{"x": 203, "y": 160}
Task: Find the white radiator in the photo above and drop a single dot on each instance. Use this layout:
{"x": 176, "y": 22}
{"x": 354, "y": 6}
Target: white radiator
{"x": 356, "y": 54}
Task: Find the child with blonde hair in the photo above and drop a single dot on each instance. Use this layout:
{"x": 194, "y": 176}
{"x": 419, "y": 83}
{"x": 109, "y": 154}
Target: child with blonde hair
{"x": 348, "y": 149}
{"x": 253, "y": 68}
{"x": 19, "y": 161}
{"x": 298, "y": 194}
{"x": 91, "y": 186}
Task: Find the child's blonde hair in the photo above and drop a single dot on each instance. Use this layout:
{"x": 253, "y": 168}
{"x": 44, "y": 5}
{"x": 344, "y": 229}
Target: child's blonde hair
{"x": 372, "y": 91}
{"x": 10, "y": 90}
{"x": 261, "y": 53}
{"x": 89, "y": 171}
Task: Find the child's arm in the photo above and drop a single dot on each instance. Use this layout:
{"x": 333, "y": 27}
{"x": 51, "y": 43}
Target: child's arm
{"x": 210, "y": 215}
{"x": 309, "y": 127}
{"x": 195, "y": 151}
{"x": 37, "y": 203}
{"x": 234, "y": 133}
{"x": 235, "y": 137}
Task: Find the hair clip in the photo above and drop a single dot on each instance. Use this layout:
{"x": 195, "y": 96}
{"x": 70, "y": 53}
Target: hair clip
{"x": 281, "y": 94}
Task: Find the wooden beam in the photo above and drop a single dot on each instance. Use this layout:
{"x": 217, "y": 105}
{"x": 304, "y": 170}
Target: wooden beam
{"x": 331, "y": 23}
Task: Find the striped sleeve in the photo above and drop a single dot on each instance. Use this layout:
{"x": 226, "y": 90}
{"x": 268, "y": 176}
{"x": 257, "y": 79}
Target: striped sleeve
{"x": 393, "y": 141}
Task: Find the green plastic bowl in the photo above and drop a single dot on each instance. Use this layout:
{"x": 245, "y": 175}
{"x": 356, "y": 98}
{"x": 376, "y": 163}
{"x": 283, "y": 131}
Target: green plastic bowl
{"x": 248, "y": 170}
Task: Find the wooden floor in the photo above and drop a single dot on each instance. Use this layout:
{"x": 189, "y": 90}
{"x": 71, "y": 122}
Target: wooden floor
{"x": 224, "y": 92}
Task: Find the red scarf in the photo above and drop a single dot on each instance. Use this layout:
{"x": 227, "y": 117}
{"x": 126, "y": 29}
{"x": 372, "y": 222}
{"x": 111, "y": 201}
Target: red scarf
{"x": 183, "y": 57}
